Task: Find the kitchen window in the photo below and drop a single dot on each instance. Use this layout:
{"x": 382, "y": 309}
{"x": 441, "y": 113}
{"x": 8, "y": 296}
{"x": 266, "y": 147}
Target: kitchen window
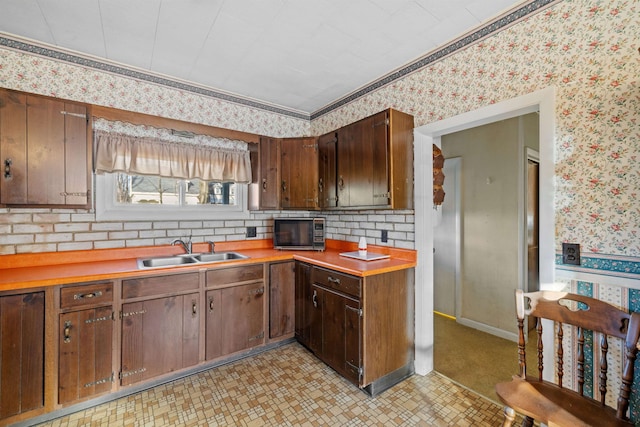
{"x": 149, "y": 173}
{"x": 121, "y": 196}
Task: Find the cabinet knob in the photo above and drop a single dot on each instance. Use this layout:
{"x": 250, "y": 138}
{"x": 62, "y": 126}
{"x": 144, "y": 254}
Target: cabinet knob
{"x": 341, "y": 183}
{"x": 67, "y": 331}
{"x": 7, "y": 168}
{"x": 284, "y": 186}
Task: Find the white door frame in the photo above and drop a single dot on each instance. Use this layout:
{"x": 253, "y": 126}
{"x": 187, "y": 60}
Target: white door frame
{"x": 424, "y": 138}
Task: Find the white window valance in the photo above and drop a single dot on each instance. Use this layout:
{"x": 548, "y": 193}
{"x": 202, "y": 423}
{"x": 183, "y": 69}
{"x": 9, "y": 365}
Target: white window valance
{"x": 145, "y": 150}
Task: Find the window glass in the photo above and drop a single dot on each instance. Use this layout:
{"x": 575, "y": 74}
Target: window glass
{"x": 210, "y": 193}
{"x": 139, "y": 189}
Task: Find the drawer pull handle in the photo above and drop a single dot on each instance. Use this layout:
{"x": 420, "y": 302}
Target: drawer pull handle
{"x": 315, "y": 298}
{"x": 264, "y": 185}
{"x": 332, "y": 280}
{"x": 194, "y": 308}
{"x": 211, "y": 301}
{"x": 88, "y": 296}
{"x": 67, "y": 331}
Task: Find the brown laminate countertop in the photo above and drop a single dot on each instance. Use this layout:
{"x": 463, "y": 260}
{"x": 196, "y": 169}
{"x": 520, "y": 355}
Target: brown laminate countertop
{"x": 24, "y": 271}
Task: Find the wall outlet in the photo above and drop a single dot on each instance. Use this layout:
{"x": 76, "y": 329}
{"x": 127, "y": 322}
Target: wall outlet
{"x": 384, "y": 236}
{"x": 571, "y": 253}
{"x": 251, "y": 232}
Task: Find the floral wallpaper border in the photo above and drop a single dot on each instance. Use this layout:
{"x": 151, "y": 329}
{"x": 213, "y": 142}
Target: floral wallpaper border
{"x": 483, "y": 32}
{"x": 127, "y": 72}
{"x": 612, "y": 265}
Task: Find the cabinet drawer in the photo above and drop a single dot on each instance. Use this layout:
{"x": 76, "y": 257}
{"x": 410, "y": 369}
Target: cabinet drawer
{"x": 159, "y": 285}
{"x": 225, "y": 276}
{"x": 86, "y": 295}
{"x": 338, "y": 281}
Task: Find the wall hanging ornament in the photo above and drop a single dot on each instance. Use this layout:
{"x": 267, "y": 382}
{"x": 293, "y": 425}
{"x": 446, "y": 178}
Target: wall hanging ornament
{"x": 438, "y": 176}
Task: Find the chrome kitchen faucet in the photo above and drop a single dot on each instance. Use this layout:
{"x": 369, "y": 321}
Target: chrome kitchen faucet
{"x": 187, "y": 246}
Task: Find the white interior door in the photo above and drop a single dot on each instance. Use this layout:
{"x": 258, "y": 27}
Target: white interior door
{"x": 446, "y": 242}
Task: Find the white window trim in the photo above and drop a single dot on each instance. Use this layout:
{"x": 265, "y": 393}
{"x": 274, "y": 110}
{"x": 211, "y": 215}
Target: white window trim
{"x": 107, "y": 209}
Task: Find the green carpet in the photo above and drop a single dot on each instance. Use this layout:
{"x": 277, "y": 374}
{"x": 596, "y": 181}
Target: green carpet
{"x": 475, "y": 359}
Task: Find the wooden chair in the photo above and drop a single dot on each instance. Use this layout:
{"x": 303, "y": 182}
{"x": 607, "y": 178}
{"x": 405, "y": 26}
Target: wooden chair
{"x": 551, "y": 403}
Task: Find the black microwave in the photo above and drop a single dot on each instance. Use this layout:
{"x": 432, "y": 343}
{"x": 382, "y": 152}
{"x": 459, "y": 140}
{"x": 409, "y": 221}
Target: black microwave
{"x": 299, "y": 233}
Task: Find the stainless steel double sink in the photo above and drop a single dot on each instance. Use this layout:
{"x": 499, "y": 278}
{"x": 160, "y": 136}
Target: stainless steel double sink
{"x": 187, "y": 259}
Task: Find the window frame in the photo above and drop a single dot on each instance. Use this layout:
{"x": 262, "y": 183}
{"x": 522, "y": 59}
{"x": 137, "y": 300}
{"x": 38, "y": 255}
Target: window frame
{"x": 106, "y": 207}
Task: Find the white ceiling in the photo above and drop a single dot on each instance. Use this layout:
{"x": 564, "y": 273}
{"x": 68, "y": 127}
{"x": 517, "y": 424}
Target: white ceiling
{"x": 297, "y": 54}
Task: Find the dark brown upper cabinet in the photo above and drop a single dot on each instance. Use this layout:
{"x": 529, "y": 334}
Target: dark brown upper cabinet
{"x": 299, "y": 163}
{"x": 44, "y": 150}
{"x": 264, "y": 191}
{"x": 287, "y": 171}
{"x": 327, "y": 164}
{"x": 365, "y": 165}
{"x": 368, "y": 164}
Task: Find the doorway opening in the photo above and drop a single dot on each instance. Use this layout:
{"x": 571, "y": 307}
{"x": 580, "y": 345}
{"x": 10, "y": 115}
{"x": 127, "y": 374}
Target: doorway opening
{"x": 542, "y": 101}
{"x": 485, "y": 236}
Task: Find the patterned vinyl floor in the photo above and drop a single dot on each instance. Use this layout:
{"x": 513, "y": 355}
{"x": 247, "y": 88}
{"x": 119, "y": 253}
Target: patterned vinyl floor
{"x": 288, "y": 386}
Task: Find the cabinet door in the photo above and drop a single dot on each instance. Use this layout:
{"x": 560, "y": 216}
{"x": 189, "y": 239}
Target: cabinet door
{"x": 281, "y": 299}
{"x": 159, "y": 336}
{"x": 269, "y": 191}
{"x": 242, "y": 317}
{"x": 76, "y": 166}
{"x": 327, "y": 162}
{"x": 363, "y": 164}
{"x": 299, "y": 164}
{"x": 303, "y": 305}
{"x": 213, "y": 325}
{"x": 21, "y": 353}
{"x": 45, "y": 151}
{"x": 85, "y": 351}
{"x": 314, "y": 316}
{"x": 335, "y": 332}
{"x": 380, "y": 163}
{"x": 352, "y": 340}
{"x": 13, "y": 147}
{"x": 341, "y": 334}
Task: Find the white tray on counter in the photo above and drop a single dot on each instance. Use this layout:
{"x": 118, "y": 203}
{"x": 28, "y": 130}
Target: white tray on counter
{"x": 368, "y": 256}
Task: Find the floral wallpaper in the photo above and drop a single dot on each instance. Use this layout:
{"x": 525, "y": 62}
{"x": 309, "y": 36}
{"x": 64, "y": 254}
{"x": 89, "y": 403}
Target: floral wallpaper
{"x": 588, "y": 50}
{"x": 45, "y": 76}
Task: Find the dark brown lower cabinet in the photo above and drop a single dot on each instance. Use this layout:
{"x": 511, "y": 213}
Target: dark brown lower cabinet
{"x": 21, "y": 353}
{"x": 243, "y": 317}
{"x": 281, "y": 299}
{"x": 302, "y": 302}
{"x": 159, "y": 336}
{"x": 235, "y": 310}
{"x": 213, "y": 326}
{"x": 85, "y": 353}
{"x": 335, "y": 333}
{"x": 360, "y": 326}
{"x": 235, "y": 319}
